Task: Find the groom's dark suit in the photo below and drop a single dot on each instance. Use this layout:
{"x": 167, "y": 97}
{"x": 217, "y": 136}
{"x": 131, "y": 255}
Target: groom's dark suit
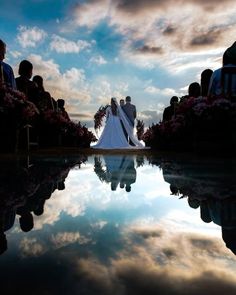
{"x": 130, "y": 111}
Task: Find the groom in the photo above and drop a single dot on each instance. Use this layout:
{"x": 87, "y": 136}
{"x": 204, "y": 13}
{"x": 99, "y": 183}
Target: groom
{"x": 130, "y": 111}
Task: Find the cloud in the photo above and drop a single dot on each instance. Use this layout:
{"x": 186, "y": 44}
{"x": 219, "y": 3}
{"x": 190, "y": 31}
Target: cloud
{"x": 62, "y": 45}
{"x": 90, "y": 13}
{"x": 16, "y": 54}
{"x": 166, "y": 91}
{"x": 150, "y": 50}
{"x": 154, "y": 261}
{"x": 150, "y": 116}
{"x": 99, "y": 60}
{"x": 31, "y": 247}
{"x": 63, "y": 239}
{"x": 30, "y": 36}
{"x": 163, "y": 29}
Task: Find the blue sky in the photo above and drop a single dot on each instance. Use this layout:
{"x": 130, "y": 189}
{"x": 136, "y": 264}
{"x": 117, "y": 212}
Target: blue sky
{"x": 88, "y": 51}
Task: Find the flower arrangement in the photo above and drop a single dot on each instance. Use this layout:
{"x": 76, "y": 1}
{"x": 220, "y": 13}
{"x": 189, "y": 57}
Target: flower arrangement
{"x": 140, "y": 129}
{"x": 15, "y": 102}
{"x": 195, "y": 119}
{"x": 98, "y": 117}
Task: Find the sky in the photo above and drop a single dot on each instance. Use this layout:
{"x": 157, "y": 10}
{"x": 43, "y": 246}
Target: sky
{"x": 88, "y": 51}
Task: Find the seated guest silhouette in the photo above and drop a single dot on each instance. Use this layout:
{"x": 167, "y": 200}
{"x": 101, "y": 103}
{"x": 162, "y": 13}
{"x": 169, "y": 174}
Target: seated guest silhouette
{"x": 223, "y": 80}
{"x": 194, "y": 89}
{"x": 44, "y": 99}
{"x": 6, "y": 72}
{"x": 23, "y": 82}
{"x": 26, "y": 219}
{"x": 205, "y": 81}
{"x": 61, "y": 108}
{"x": 169, "y": 111}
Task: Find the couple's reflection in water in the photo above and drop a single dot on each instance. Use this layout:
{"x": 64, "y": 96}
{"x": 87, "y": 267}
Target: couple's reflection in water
{"x": 208, "y": 186}
{"x": 25, "y": 189}
{"x": 118, "y": 170}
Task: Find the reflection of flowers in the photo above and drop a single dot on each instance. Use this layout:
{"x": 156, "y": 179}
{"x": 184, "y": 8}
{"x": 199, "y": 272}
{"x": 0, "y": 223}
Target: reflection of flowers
{"x": 98, "y": 117}
{"x": 98, "y": 169}
{"x": 140, "y": 129}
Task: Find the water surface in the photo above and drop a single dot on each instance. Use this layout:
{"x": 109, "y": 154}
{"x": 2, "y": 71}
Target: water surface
{"x": 118, "y": 224}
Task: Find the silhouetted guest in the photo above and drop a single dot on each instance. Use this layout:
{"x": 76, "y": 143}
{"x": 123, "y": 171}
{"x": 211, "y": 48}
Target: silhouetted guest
{"x": 194, "y": 89}
{"x": 3, "y": 243}
{"x": 26, "y": 219}
{"x": 44, "y": 99}
{"x": 122, "y": 102}
{"x": 218, "y": 86}
{"x": 6, "y": 72}
{"x": 61, "y": 108}
{"x": 169, "y": 111}
{"x": 174, "y": 190}
{"x": 23, "y": 82}
{"x": 61, "y": 185}
{"x": 205, "y": 81}
{"x": 229, "y": 237}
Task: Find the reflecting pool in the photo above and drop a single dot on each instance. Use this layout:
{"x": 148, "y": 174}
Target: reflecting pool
{"x": 118, "y": 224}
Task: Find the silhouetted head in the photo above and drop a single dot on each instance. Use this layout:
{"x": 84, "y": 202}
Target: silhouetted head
{"x": 113, "y": 106}
{"x": 26, "y": 221}
{"x": 39, "y": 81}
{"x": 25, "y": 69}
{"x": 2, "y": 50}
{"x": 113, "y": 186}
{"x": 128, "y": 188}
{"x": 39, "y": 210}
{"x": 122, "y": 102}
{"x": 194, "y": 89}
{"x": 174, "y": 100}
{"x": 47, "y": 95}
{"x": 128, "y": 99}
{"x": 205, "y": 80}
{"x": 61, "y": 185}
{"x": 229, "y": 56}
{"x": 60, "y": 103}
{"x": 193, "y": 203}
{"x": 174, "y": 190}
{"x": 122, "y": 185}
{"x": 3, "y": 243}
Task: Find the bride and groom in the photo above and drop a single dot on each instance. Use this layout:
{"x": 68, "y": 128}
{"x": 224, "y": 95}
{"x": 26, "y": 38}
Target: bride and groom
{"x": 118, "y": 132}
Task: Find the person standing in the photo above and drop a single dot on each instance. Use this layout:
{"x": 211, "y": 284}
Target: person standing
{"x": 6, "y": 72}
{"x": 130, "y": 111}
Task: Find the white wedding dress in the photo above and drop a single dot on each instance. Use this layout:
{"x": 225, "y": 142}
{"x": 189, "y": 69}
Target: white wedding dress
{"x": 113, "y": 136}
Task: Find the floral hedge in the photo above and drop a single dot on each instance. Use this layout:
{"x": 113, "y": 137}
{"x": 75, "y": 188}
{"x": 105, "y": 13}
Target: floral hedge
{"x": 196, "y": 119}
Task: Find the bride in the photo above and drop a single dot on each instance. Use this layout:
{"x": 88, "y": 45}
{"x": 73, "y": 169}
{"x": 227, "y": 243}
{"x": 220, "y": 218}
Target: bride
{"x": 113, "y": 136}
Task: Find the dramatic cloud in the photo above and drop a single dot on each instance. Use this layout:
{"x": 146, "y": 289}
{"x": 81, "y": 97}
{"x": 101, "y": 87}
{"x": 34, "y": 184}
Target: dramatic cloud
{"x": 70, "y": 85}
{"x": 30, "y": 36}
{"x": 62, "y": 45}
{"x": 156, "y": 261}
{"x": 149, "y": 50}
{"x": 164, "y": 28}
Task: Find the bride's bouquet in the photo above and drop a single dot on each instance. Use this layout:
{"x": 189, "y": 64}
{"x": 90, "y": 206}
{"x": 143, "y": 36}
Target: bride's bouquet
{"x": 98, "y": 117}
